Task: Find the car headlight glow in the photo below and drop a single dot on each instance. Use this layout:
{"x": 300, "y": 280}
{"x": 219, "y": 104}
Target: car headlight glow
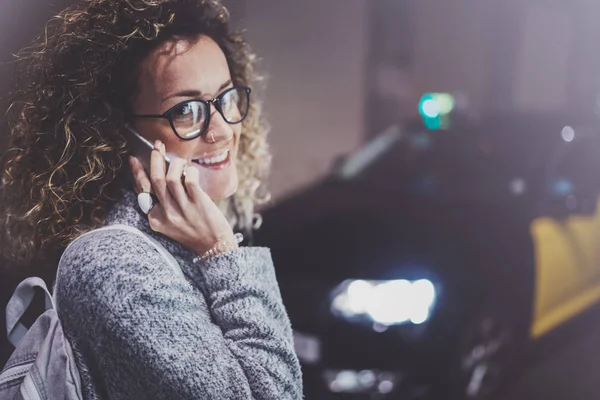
{"x": 391, "y": 302}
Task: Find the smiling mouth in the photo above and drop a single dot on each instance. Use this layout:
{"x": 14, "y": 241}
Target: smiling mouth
{"x": 216, "y": 161}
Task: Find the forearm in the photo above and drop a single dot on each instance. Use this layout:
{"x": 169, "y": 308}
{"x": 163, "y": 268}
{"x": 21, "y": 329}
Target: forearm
{"x": 245, "y": 302}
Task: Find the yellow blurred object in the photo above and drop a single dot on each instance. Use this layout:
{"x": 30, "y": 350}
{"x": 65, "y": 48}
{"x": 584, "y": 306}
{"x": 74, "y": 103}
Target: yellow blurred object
{"x": 567, "y": 268}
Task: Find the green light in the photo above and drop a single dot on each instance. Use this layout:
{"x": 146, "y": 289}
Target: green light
{"x": 433, "y": 123}
{"x": 428, "y": 106}
{"x": 445, "y": 102}
{"x": 435, "y": 109}
{"x": 435, "y": 104}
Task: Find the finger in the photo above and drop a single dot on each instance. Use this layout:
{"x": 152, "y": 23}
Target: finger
{"x": 155, "y": 218}
{"x": 158, "y": 176}
{"x": 140, "y": 178}
{"x": 174, "y": 183}
{"x": 192, "y": 186}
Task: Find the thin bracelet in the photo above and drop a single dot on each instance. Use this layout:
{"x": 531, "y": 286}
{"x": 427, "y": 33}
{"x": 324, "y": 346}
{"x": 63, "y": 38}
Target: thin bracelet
{"x": 220, "y": 248}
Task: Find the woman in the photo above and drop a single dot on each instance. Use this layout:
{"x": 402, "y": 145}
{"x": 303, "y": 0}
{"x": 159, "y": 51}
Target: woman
{"x": 172, "y": 71}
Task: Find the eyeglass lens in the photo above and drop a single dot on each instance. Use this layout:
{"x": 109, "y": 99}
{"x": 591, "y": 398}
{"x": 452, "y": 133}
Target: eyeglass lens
{"x": 190, "y": 118}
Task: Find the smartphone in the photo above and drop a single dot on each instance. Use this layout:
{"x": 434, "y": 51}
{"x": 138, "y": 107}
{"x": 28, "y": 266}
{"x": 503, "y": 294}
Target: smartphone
{"x": 141, "y": 148}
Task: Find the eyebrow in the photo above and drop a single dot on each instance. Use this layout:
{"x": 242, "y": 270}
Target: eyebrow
{"x": 193, "y": 93}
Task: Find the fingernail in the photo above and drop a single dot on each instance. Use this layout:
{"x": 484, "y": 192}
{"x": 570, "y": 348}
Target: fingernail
{"x": 157, "y": 145}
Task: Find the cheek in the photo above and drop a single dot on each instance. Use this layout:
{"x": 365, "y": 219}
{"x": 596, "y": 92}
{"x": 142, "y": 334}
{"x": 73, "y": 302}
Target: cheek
{"x": 155, "y": 131}
{"x": 172, "y": 142}
{"x": 178, "y": 147}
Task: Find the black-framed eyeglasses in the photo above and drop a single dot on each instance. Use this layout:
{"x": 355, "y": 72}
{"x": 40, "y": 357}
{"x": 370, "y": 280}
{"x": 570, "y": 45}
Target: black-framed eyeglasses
{"x": 191, "y": 118}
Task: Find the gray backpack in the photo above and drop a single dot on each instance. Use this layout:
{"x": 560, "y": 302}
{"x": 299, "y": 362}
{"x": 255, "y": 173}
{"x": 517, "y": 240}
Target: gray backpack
{"x": 42, "y": 367}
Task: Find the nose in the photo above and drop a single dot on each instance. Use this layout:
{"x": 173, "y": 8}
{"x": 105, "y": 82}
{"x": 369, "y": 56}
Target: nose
{"x": 218, "y": 129}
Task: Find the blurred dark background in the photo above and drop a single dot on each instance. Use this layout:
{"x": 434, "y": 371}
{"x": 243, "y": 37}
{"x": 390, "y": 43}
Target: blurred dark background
{"x": 371, "y": 60}
{"x": 341, "y": 72}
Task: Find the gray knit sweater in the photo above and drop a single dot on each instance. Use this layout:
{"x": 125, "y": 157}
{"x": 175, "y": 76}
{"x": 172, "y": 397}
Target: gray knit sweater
{"x": 140, "y": 331}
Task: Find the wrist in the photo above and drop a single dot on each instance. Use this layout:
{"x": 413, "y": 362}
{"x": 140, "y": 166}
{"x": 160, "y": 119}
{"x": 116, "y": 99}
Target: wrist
{"x": 199, "y": 248}
{"x": 220, "y": 247}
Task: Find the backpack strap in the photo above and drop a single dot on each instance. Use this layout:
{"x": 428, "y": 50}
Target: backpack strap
{"x": 18, "y": 305}
{"x": 24, "y": 293}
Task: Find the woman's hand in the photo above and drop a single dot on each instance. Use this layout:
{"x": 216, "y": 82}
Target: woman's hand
{"x": 185, "y": 213}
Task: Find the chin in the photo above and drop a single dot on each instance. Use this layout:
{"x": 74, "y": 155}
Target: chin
{"x": 220, "y": 184}
{"x": 223, "y": 191}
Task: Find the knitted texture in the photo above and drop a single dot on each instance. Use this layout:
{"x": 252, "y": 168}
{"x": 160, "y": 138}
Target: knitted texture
{"x": 140, "y": 331}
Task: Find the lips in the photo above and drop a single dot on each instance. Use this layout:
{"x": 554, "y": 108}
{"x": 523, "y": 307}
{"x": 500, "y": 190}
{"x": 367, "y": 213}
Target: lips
{"x": 215, "y": 161}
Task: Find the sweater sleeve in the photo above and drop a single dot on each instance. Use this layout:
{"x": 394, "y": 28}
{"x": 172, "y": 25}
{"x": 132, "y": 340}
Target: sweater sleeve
{"x": 153, "y": 334}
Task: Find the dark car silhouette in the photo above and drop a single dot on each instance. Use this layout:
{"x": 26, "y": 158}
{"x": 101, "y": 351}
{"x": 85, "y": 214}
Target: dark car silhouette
{"x": 429, "y": 261}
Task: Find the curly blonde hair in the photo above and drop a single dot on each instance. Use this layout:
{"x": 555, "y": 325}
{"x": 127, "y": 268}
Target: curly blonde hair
{"x": 64, "y": 168}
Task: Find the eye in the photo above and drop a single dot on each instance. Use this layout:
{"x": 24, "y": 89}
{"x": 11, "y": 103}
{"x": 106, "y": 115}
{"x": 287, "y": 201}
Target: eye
{"x": 187, "y": 111}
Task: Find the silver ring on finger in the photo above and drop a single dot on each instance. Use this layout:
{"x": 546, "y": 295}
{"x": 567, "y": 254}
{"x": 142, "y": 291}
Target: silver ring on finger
{"x": 183, "y": 174}
{"x": 146, "y": 201}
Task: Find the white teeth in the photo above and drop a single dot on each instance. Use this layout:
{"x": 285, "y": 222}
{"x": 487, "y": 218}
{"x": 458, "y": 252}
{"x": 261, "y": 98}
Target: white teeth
{"x": 214, "y": 160}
